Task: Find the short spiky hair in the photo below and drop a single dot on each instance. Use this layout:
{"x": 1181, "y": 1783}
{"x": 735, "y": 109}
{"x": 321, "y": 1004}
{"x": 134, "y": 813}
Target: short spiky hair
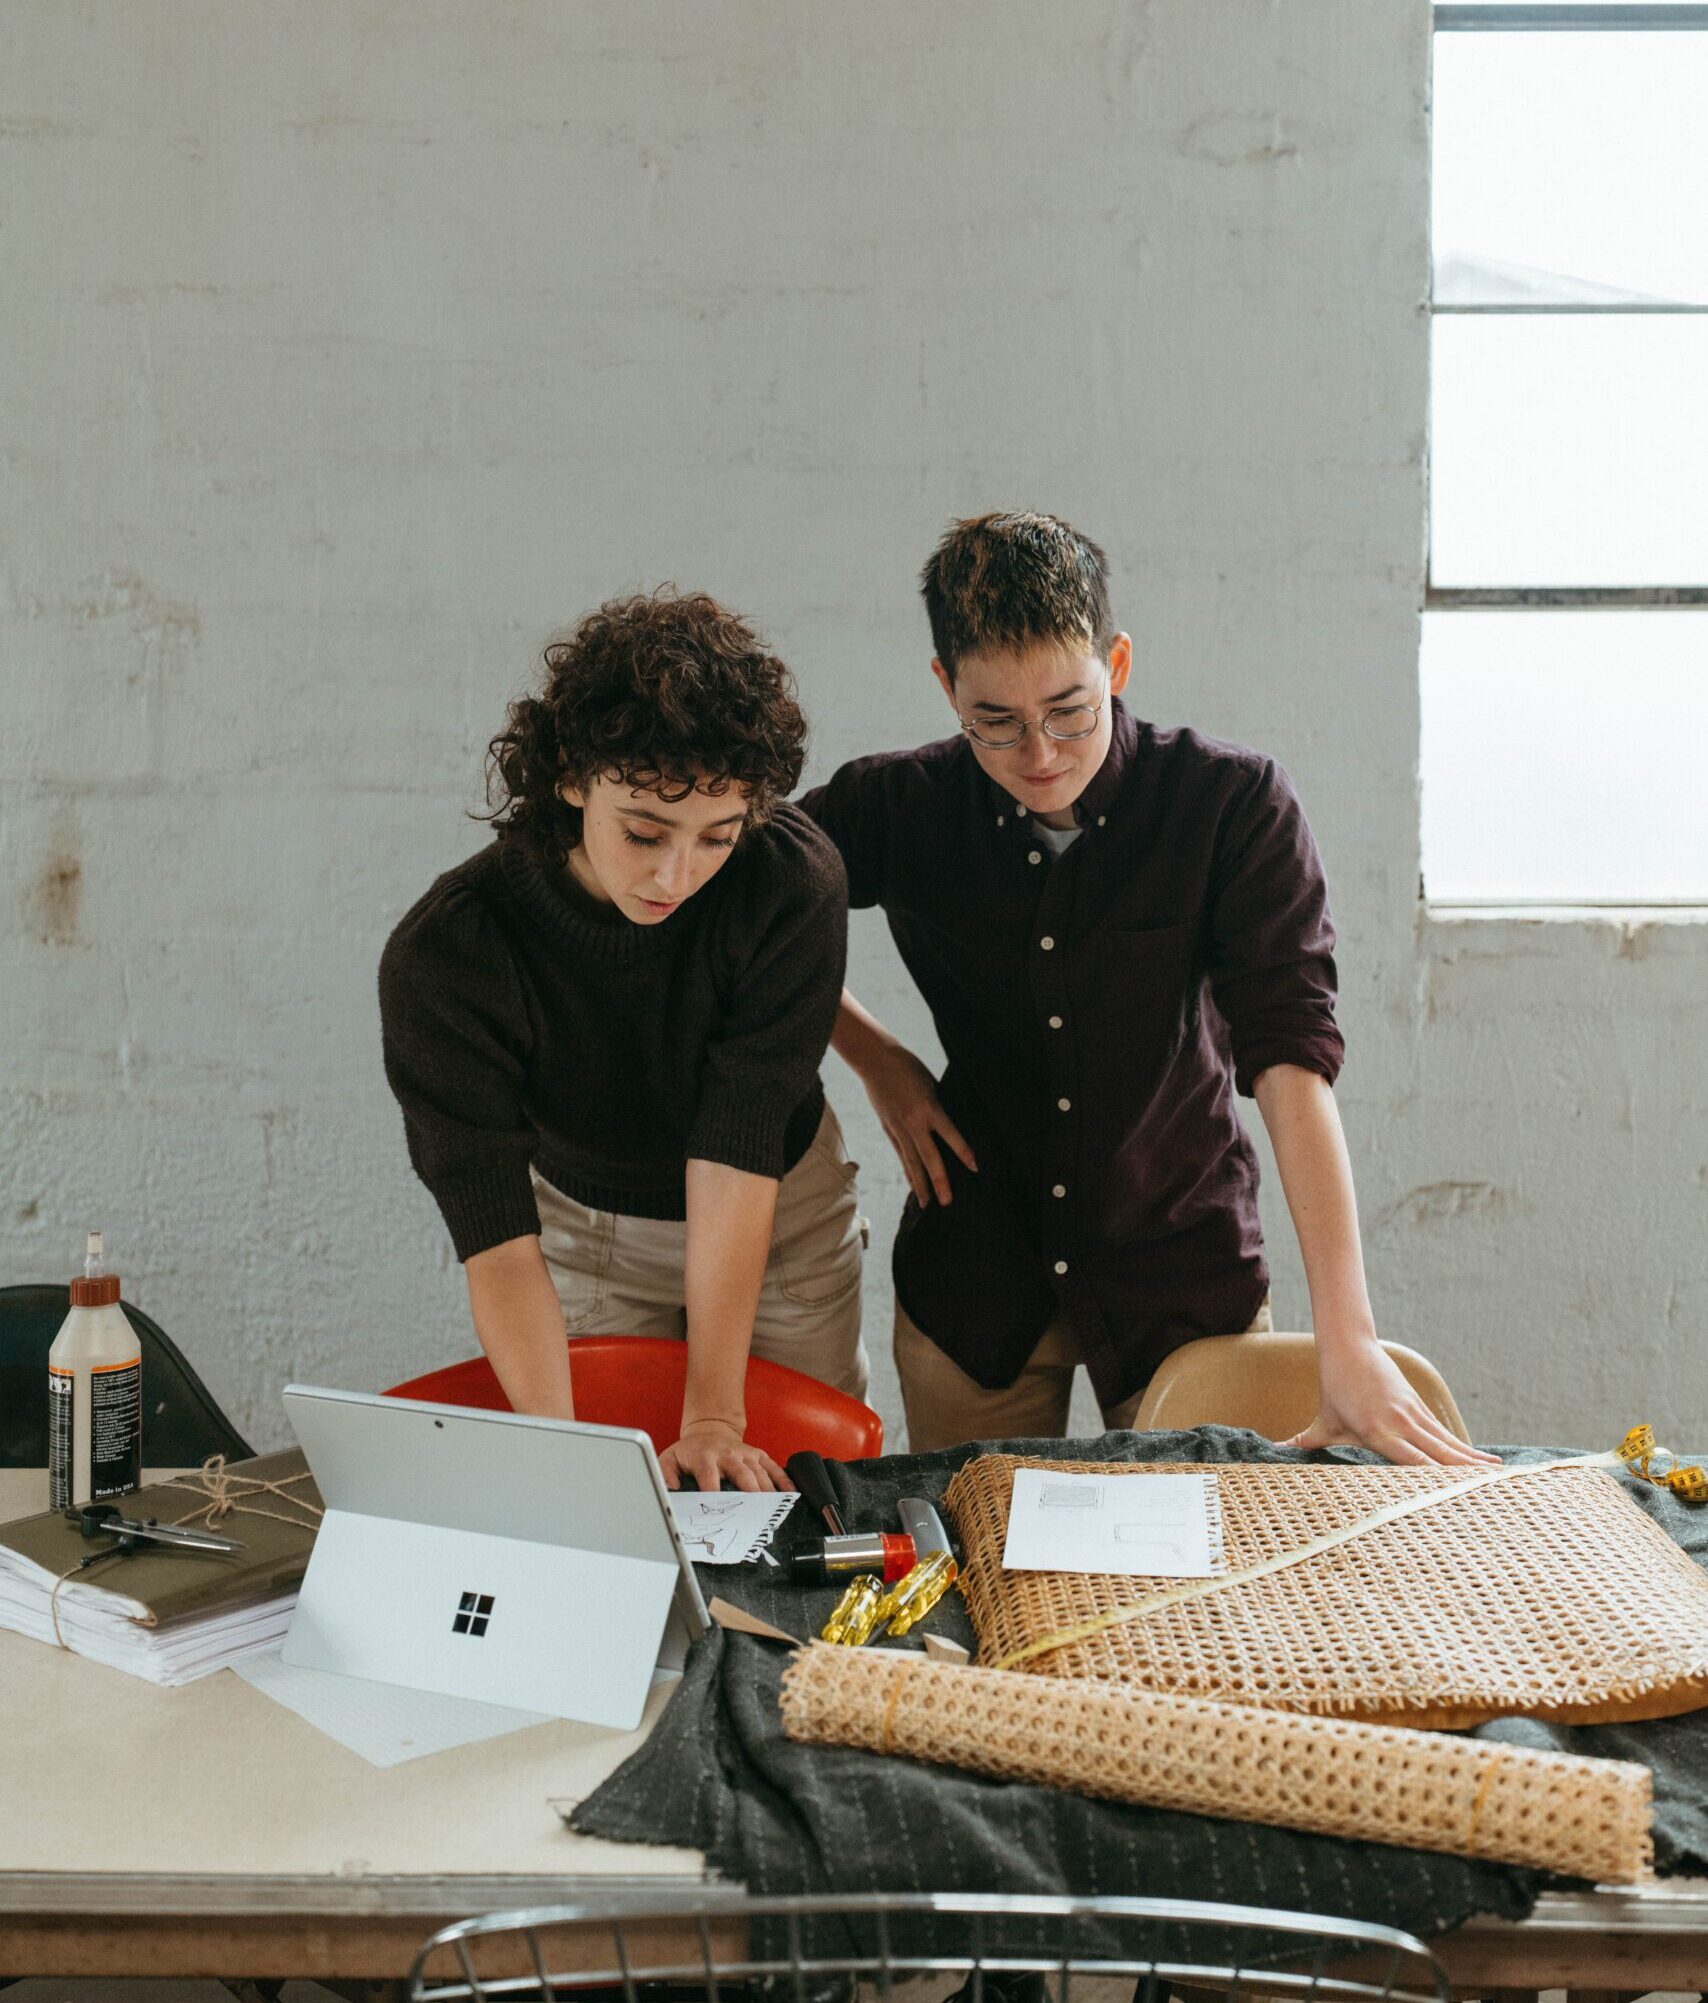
{"x": 667, "y": 691}
{"x": 1008, "y": 581}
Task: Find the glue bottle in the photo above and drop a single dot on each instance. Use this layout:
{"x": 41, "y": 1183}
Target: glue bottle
{"x": 94, "y": 1386}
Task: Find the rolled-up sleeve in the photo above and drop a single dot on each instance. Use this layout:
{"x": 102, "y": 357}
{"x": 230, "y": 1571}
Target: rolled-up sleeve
{"x": 454, "y": 1031}
{"x": 784, "y": 981}
{"x": 1271, "y": 939}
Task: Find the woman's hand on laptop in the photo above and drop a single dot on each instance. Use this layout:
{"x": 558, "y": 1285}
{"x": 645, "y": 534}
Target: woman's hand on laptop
{"x": 713, "y": 1452}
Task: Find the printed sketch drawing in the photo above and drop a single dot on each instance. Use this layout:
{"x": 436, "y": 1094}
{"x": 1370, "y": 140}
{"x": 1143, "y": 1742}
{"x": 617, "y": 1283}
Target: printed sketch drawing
{"x": 728, "y": 1529}
{"x": 1165, "y": 1523}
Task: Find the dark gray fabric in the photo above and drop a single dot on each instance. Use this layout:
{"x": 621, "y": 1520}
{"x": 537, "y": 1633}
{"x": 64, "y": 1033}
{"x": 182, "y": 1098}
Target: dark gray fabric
{"x": 718, "y": 1775}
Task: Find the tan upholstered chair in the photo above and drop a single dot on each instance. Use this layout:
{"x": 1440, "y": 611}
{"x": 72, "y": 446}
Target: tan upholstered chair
{"x": 1267, "y": 1382}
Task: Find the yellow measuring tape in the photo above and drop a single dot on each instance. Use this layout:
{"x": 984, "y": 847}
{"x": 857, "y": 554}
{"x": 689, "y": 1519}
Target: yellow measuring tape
{"x": 1640, "y": 1454}
{"x": 1637, "y": 1452}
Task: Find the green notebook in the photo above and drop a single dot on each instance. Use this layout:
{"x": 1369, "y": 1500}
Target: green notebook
{"x": 158, "y": 1586}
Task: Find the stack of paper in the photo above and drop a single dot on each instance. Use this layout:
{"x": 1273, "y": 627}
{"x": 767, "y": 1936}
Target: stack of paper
{"x": 108, "y": 1627}
{"x": 163, "y": 1614}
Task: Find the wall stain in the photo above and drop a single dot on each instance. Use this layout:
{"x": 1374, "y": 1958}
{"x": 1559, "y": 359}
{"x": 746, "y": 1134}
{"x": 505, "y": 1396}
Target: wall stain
{"x": 1443, "y": 1203}
{"x": 1238, "y": 142}
{"x": 55, "y": 899}
{"x": 121, "y": 594}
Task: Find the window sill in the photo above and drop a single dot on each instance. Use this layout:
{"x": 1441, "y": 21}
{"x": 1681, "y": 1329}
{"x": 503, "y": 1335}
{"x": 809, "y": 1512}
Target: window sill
{"x": 1547, "y": 913}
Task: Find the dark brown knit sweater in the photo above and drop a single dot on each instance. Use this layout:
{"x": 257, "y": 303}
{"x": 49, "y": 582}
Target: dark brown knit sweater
{"x": 520, "y": 1028}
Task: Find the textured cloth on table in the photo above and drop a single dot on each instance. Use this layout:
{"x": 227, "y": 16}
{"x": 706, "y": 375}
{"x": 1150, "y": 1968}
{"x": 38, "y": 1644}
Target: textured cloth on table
{"x": 718, "y": 1775}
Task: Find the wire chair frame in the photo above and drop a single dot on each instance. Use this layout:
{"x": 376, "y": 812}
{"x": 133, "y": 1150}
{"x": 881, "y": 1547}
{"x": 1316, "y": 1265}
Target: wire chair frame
{"x": 1348, "y": 1961}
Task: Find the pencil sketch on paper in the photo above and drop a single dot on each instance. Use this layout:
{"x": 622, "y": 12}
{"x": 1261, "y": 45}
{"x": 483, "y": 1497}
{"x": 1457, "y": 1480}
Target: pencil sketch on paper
{"x": 1138, "y": 1524}
{"x": 727, "y": 1529}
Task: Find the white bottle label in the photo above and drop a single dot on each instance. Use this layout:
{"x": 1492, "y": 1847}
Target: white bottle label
{"x": 115, "y": 1429}
{"x": 61, "y": 1396}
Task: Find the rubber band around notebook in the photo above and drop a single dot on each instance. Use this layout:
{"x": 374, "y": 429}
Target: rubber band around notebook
{"x": 1637, "y": 1452}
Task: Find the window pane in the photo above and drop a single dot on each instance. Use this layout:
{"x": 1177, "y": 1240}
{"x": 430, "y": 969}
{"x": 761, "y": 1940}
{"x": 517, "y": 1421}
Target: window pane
{"x": 1562, "y": 756}
{"x": 1571, "y": 166}
{"x": 1569, "y": 451}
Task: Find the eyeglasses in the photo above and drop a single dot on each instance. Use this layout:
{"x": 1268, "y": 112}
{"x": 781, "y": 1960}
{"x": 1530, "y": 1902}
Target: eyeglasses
{"x": 1003, "y": 733}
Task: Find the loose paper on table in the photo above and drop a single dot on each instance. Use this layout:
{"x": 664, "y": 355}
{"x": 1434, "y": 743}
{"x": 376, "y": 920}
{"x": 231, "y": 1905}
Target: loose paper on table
{"x": 1144, "y": 1525}
{"x": 727, "y": 1529}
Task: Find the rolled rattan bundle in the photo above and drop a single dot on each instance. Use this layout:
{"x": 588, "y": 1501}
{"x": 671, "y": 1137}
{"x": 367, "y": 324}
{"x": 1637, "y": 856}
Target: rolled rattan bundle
{"x": 1549, "y": 1594}
{"x": 1380, "y": 1783}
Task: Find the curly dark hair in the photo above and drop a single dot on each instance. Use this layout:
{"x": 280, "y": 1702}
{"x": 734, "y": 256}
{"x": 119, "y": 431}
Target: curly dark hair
{"x": 669, "y": 692}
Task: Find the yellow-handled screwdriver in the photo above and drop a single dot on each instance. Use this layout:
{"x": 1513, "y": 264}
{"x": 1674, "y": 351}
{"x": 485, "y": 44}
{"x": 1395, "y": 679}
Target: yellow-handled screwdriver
{"x": 909, "y": 1600}
{"x": 856, "y": 1613}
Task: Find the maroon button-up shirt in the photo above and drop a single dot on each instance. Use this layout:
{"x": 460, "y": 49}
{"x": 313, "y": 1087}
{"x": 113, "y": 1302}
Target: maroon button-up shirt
{"x": 1098, "y": 1010}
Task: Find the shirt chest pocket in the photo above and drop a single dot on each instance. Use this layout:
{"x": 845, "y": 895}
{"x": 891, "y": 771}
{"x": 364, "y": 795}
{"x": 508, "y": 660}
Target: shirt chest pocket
{"x": 1149, "y": 981}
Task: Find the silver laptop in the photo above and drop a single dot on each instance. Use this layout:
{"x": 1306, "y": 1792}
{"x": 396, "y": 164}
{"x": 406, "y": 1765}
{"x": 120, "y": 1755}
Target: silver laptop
{"x": 526, "y": 1562}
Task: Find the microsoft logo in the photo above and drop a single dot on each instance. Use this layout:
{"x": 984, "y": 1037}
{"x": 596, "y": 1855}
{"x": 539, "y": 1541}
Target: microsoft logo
{"x": 473, "y": 1612}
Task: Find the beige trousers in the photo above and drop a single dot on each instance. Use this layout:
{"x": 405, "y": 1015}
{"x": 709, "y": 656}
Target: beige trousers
{"x": 945, "y": 1406}
{"x": 624, "y": 1275}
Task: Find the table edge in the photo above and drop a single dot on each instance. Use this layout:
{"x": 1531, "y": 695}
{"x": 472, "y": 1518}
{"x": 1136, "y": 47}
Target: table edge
{"x": 147, "y": 1895}
{"x": 1653, "y": 1909}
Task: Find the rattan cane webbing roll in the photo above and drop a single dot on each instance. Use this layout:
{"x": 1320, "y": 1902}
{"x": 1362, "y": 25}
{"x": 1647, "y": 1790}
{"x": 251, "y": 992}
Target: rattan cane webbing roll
{"x": 1551, "y": 1595}
{"x": 1379, "y": 1783}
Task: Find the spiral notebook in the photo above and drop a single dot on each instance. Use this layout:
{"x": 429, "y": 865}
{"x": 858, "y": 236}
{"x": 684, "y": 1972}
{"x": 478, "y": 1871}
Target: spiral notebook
{"x": 727, "y": 1528}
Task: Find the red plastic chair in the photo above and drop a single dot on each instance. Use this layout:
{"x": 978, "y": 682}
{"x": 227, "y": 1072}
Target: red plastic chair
{"x": 637, "y": 1380}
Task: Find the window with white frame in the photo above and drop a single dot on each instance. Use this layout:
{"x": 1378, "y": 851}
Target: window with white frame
{"x": 1564, "y": 674}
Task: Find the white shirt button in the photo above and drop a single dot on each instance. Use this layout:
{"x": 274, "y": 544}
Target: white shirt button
{"x": 1055, "y": 1022}
{"x": 1032, "y": 855}
{"x": 1061, "y": 1265}
{"x": 1064, "y": 1104}
{"x": 1048, "y": 944}
{"x": 1002, "y": 820}
{"x": 1102, "y": 820}
{"x": 1021, "y": 811}
{"x": 1059, "y": 1190}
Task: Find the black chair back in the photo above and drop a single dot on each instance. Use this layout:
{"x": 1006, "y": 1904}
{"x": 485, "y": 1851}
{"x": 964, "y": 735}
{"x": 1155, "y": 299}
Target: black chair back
{"x": 181, "y": 1424}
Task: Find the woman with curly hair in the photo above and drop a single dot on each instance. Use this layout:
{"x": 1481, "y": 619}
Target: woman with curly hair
{"x": 605, "y": 1029}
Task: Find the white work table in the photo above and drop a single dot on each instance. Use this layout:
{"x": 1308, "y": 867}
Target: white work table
{"x": 208, "y": 1831}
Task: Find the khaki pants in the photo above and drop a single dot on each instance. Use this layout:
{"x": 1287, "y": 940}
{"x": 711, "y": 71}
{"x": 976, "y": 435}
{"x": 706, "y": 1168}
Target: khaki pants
{"x": 624, "y": 1275}
{"x": 945, "y": 1406}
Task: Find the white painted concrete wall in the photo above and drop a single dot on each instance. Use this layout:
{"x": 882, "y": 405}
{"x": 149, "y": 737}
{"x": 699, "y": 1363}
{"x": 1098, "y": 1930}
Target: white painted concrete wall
{"x": 347, "y": 350}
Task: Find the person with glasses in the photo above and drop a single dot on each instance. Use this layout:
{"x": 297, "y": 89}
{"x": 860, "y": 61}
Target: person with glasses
{"x": 605, "y": 1029}
{"x": 1117, "y": 928}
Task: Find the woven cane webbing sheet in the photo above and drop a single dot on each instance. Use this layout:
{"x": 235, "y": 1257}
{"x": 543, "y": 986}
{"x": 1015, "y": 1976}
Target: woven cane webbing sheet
{"x": 1551, "y": 1595}
{"x": 1466, "y": 1797}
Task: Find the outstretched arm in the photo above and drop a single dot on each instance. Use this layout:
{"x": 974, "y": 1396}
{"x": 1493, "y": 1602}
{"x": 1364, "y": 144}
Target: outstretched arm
{"x": 730, "y": 1214}
{"x": 1362, "y": 1399}
{"x": 520, "y": 1325}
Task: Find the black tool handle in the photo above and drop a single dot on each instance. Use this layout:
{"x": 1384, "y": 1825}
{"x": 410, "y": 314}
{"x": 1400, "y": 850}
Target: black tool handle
{"x": 810, "y": 1475}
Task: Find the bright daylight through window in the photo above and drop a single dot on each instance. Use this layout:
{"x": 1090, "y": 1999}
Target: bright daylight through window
{"x": 1565, "y": 633}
